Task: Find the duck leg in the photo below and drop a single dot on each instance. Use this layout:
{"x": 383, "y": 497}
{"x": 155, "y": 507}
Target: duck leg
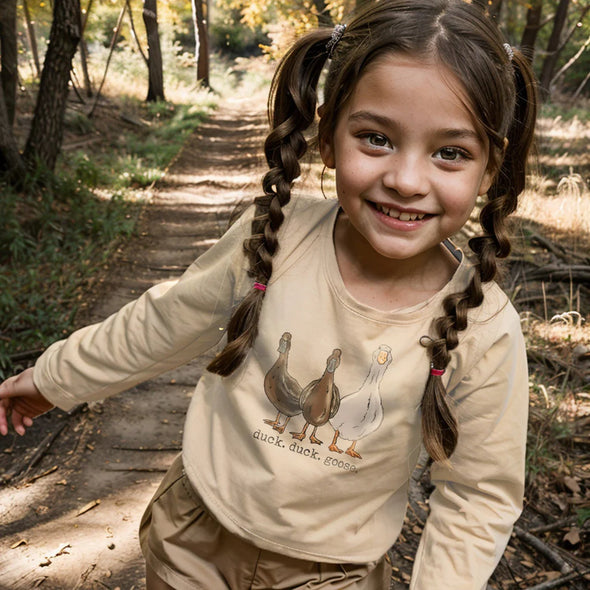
{"x": 313, "y": 439}
{"x": 274, "y": 422}
{"x": 281, "y": 428}
{"x": 300, "y": 435}
{"x": 350, "y": 451}
{"x": 333, "y": 446}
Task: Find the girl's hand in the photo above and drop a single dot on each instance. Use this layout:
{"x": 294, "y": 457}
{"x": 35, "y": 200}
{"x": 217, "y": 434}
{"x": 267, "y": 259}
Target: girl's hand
{"x": 20, "y": 398}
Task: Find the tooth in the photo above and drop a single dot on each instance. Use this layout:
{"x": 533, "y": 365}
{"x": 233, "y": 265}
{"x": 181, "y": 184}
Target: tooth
{"x": 420, "y": 215}
{"x": 404, "y": 217}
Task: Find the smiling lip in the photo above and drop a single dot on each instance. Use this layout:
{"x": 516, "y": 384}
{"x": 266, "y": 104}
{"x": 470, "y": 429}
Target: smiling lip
{"x": 406, "y": 216}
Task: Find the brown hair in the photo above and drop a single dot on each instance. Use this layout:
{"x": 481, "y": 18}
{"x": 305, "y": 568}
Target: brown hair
{"x": 502, "y": 98}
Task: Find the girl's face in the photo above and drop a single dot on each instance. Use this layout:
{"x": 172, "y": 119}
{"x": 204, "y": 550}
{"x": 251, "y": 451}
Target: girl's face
{"x": 409, "y": 161}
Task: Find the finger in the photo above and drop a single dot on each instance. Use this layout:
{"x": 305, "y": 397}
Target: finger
{"x": 3, "y": 418}
{"x": 17, "y": 422}
{"x": 28, "y": 422}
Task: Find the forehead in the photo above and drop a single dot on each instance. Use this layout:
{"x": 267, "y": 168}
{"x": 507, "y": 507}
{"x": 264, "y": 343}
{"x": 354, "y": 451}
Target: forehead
{"x": 410, "y": 89}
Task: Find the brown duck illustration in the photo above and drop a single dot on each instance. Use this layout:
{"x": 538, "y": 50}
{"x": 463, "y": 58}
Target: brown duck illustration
{"x": 320, "y": 399}
{"x": 361, "y": 412}
{"x": 282, "y": 389}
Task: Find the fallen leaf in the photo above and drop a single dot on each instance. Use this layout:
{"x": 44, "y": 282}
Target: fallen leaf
{"x": 61, "y": 482}
{"x": 61, "y": 550}
{"x": 573, "y": 536}
{"x": 88, "y": 507}
{"x": 19, "y": 543}
{"x": 572, "y": 484}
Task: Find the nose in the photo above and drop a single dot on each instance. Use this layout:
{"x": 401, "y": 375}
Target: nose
{"x": 407, "y": 174}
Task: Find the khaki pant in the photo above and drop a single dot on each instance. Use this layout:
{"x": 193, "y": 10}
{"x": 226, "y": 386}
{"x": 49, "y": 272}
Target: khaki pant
{"x": 188, "y": 549}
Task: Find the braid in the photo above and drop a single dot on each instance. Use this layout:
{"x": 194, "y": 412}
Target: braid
{"x": 292, "y": 104}
{"x": 439, "y": 425}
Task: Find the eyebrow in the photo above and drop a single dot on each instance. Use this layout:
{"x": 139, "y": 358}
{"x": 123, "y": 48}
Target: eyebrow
{"x": 451, "y": 133}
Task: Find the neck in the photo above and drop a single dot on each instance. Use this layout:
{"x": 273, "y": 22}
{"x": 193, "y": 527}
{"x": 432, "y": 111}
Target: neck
{"x": 387, "y": 283}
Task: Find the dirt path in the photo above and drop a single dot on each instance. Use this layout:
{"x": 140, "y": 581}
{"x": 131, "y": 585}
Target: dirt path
{"x": 106, "y": 460}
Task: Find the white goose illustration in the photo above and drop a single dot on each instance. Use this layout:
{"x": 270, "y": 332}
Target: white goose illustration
{"x": 361, "y": 413}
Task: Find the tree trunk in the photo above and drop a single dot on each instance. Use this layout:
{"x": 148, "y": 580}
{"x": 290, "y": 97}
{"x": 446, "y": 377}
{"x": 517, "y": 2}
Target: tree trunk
{"x": 32, "y": 38}
{"x": 155, "y": 69}
{"x": 531, "y": 29}
{"x": 84, "y": 53}
{"x": 44, "y": 141}
{"x": 11, "y": 162}
{"x": 200, "y": 16}
{"x": 553, "y": 49}
{"x": 9, "y": 56}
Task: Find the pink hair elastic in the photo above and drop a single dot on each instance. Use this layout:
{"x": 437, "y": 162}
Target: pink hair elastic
{"x": 437, "y": 372}
{"x": 260, "y": 286}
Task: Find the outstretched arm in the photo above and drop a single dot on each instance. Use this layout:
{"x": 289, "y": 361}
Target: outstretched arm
{"x": 22, "y": 401}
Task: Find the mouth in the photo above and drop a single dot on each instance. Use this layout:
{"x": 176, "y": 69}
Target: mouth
{"x": 401, "y": 215}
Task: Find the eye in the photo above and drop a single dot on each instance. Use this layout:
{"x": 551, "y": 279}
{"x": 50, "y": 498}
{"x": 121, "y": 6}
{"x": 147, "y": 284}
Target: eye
{"x": 452, "y": 154}
{"x": 376, "y": 140}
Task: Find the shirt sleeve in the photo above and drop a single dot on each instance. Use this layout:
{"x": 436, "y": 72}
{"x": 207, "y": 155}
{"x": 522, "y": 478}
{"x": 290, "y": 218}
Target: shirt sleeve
{"x": 477, "y": 500}
{"x": 167, "y": 326}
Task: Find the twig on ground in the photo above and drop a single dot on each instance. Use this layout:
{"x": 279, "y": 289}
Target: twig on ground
{"x": 544, "y": 549}
{"x": 557, "y": 582}
{"x": 564, "y": 522}
{"x": 141, "y": 469}
{"x": 123, "y": 448}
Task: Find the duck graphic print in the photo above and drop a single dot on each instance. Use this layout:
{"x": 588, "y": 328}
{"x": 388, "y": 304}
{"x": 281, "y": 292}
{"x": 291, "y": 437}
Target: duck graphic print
{"x": 345, "y": 417}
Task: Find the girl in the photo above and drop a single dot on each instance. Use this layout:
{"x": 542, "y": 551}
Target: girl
{"x": 356, "y": 330}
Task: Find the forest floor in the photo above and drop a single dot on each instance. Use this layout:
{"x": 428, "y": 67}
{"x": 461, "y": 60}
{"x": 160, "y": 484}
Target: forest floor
{"x": 76, "y": 485}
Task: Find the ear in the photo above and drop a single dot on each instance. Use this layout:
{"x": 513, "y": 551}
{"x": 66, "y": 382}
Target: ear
{"x": 325, "y": 144}
{"x": 486, "y": 181}
{"x": 327, "y": 153}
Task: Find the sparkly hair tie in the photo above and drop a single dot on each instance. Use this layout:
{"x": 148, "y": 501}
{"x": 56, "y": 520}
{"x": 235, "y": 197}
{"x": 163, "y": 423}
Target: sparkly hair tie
{"x": 259, "y": 286}
{"x": 334, "y": 39}
{"x": 509, "y": 51}
{"x": 437, "y": 372}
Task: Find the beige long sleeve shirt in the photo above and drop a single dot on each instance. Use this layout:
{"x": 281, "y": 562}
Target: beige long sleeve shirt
{"x": 307, "y": 449}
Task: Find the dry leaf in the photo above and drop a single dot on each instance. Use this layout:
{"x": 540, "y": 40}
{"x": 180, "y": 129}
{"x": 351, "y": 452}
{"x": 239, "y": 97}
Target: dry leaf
{"x": 61, "y": 550}
{"x": 572, "y": 484}
{"x": 19, "y": 543}
{"x": 573, "y": 536}
{"x": 88, "y": 507}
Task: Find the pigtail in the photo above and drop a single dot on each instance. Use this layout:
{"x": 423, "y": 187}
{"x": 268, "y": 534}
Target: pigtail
{"x": 439, "y": 424}
{"x": 292, "y": 108}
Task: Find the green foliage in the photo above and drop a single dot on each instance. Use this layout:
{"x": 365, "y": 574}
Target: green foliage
{"x": 50, "y": 241}
{"x": 583, "y": 515}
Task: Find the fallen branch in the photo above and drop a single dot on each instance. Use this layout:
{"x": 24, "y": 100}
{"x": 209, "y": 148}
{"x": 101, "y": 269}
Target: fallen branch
{"x": 140, "y": 469}
{"x": 558, "y": 524}
{"x": 553, "y": 272}
{"x": 23, "y": 467}
{"x": 122, "y": 448}
{"x": 544, "y": 549}
{"x": 557, "y": 582}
